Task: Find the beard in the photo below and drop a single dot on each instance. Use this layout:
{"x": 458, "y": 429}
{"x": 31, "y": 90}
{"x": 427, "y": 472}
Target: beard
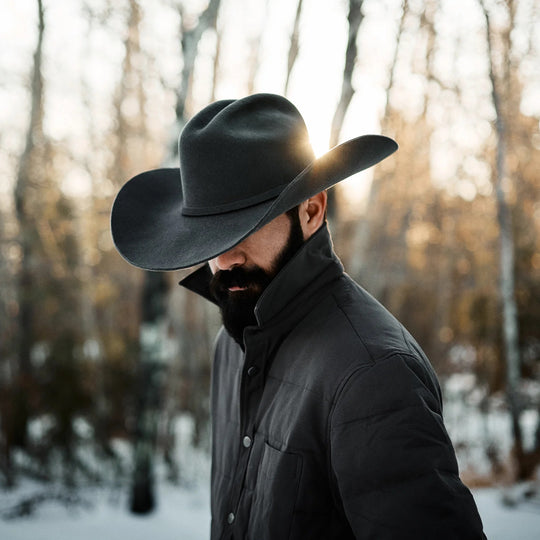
{"x": 238, "y": 308}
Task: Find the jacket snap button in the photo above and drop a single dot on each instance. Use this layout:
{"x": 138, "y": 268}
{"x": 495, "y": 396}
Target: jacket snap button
{"x": 230, "y": 518}
{"x": 246, "y": 441}
{"x": 252, "y": 371}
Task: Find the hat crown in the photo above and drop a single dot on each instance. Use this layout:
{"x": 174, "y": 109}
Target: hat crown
{"x": 238, "y": 153}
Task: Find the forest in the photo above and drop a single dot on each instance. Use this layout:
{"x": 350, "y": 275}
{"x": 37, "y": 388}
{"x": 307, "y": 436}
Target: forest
{"x": 105, "y": 369}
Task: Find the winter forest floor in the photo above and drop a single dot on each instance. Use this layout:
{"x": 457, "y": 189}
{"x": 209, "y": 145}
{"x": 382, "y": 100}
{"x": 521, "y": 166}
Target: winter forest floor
{"x": 183, "y": 514}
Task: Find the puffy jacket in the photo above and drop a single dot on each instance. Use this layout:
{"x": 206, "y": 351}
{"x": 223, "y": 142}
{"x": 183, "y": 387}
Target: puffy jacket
{"x": 328, "y": 425}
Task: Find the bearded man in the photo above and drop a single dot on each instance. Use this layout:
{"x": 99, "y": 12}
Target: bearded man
{"x": 326, "y": 414}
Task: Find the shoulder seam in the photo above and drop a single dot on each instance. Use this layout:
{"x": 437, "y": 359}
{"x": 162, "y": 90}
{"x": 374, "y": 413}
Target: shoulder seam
{"x": 352, "y": 327}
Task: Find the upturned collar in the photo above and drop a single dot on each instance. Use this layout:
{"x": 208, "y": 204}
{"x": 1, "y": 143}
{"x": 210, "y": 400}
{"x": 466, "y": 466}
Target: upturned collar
{"x": 314, "y": 265}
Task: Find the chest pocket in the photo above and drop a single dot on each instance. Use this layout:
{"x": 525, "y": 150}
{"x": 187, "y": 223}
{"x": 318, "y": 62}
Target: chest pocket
{"x": 275, "y": 497}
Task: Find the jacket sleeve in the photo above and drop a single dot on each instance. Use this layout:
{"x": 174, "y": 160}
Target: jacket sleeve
{"x": 393, "y": 465}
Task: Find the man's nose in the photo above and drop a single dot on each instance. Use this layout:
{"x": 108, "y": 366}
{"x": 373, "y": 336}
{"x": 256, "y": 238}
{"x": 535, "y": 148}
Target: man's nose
{"x": 230, "y": 259}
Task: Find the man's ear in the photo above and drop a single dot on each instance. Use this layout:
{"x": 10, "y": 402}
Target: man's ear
{"x": 313, "y": 213}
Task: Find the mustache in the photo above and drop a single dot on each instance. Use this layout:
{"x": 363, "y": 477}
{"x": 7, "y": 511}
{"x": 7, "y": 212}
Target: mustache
{"x": 222, "y": 280}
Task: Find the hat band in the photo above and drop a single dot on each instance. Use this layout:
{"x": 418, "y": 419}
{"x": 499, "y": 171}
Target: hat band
{"x": 235, "y": 205}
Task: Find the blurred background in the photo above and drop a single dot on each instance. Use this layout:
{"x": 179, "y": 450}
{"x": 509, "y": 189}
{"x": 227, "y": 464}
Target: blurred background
{"x": 104, "y": 369}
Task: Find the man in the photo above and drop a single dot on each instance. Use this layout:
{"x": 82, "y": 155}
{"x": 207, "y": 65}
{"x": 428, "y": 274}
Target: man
{"x": 326, "y": 413}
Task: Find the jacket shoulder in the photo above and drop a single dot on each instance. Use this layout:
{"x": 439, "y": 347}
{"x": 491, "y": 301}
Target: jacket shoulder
{"x": 350, "y": 331}
{"x": 350, "y": 320}
{"x": 380, "y": 332}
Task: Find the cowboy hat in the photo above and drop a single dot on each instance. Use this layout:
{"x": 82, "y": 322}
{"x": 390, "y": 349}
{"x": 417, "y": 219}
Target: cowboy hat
{"x": 242, "y": 163}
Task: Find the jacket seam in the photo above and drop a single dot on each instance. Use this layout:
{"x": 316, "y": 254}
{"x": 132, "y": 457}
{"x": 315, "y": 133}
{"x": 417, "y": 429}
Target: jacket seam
{"x": 352, "y": 326}
{"x": 377, "y": 414}
{"x": 334, "y": 402}
{"x": 405, "y": 339}
{"x": 404, "y": 351}
{"x": 330, "y": 473}
{"x": 296, "y": 385}
{"x": 386, "y": 411}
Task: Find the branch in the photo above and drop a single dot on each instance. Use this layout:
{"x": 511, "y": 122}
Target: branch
{"x": 355, "y": 18}
{"x": 294, "y": 47}
{"x": 190, "y": 42}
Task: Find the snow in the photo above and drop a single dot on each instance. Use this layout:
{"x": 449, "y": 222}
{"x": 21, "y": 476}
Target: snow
{"x": 183, "y": 511}
{"x": 521, "y": 522}
{"x": 477, "y": 421}
{"x": 183, "y": 514}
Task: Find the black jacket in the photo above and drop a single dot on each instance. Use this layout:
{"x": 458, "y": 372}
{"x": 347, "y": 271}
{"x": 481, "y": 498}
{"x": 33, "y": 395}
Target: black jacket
{"x": 329, "y": 425}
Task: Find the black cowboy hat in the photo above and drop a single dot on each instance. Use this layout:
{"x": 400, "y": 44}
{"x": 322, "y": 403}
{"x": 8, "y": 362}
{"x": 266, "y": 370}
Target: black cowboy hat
{"x": 242, "y": 163}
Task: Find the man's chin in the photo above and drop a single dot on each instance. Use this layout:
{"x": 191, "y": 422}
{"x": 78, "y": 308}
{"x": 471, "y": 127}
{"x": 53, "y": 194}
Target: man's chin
{"x": 237, "y": 312}
{"x": 237, "y": 290}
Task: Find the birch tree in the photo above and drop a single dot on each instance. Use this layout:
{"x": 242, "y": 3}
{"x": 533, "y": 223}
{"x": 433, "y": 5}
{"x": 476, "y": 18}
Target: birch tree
{"x": 504, "y": 217}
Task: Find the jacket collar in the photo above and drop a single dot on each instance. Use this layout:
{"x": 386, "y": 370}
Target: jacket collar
{"x": 314, "y": 261}
{"x": 314, "y": 265}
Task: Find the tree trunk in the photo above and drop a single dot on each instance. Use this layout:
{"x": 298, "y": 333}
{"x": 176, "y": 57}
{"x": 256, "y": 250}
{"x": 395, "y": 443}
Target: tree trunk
{"x": 89, "y": 276}
{"x": 215, "y": 65}
{"x": 142, "y": 500}
{"x": 392, "y": 70}
{"x": 190, "y": 43}
{"x": 355, "y": 18}
{"x": 293, "y": 48}
{"x": 153, "y": 335}
{"x": 506, "y": 258}
{"x": 27, "y": 239}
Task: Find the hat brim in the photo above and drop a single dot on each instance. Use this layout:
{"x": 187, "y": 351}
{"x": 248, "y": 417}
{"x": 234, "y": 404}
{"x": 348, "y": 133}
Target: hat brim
{"x": 150, "y": 231}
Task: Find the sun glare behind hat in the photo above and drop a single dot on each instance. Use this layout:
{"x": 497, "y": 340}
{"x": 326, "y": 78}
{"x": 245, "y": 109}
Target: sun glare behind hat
{"x": 242, "y": 163}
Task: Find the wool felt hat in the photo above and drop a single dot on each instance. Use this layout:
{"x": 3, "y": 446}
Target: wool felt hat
{"x": 242, "y": 163}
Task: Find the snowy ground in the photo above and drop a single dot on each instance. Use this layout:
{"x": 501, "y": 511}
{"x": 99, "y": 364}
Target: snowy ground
{"x": 184, "y": 515}
{"x": 521, "y": 522}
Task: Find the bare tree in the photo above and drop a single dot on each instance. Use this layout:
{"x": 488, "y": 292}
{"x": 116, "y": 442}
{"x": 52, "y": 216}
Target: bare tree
{"x": 217, "y": 59}
{"x": 146, "y": 403}
{"x": 392, "y": 70}
{"x": 26, "y": 178}
{"x": 190, "y": 37}
{"x": 354, "y": 18}
{"x": 294, "y": 46}
{"x": 506, "y": 259}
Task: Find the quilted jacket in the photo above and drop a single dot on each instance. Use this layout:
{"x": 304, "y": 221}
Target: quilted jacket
{"x": 328, "y": 423}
